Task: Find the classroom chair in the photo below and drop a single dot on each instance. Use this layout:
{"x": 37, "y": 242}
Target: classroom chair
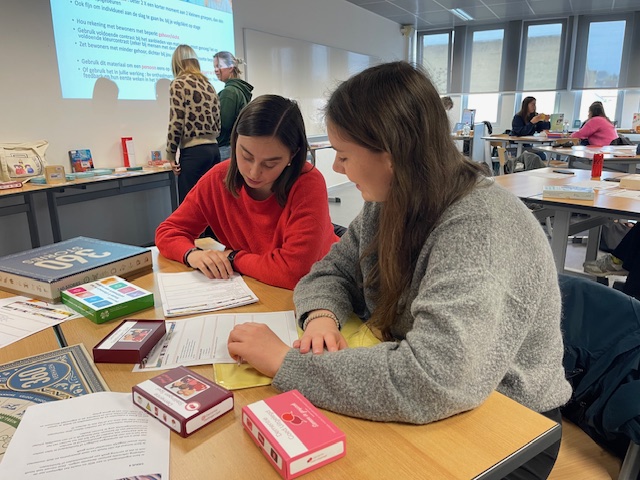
{"x": 601, "y": 331}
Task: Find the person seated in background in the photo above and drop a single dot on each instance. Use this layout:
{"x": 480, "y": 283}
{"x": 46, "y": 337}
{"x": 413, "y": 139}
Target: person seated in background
{"x": 598, "y": 129}
{"x": 624, "y": 260}
{"x": 447, "y": 103}
{"x": 433, "y": 264}
{"x": 267, "y": 205}
{"x": 527, "y": 121}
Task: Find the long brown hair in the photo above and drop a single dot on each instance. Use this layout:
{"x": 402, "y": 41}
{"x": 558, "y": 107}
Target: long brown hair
{"x": 524, "y": 109}
{"x": 271, "y": 116}
{"x": 596, "y": 109}
{"x": 395, "y": 108}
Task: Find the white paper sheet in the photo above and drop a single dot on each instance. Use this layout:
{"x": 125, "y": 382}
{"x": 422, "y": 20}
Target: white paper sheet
{"x": 186, "y": 293}
{"x": 101, "y": 436}
{"x": 22, "y": 316}
{"x": 203, "y": 340}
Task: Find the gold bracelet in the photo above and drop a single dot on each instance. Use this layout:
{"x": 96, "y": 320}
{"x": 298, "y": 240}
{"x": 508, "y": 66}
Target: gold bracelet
{"x": 320, "y": 315}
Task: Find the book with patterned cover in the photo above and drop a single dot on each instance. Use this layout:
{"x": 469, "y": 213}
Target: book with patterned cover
{"x": 65, "y": 373}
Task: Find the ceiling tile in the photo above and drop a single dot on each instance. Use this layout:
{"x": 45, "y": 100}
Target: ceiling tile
{"x": 431, "y": 14}
{"x": 417, "y": 6}
{"x": 384, "y": 9}
{"x": 512, "y": 10}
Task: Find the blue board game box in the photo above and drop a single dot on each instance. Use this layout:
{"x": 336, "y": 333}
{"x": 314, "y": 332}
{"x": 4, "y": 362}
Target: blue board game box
{"x": 45, "y": 271}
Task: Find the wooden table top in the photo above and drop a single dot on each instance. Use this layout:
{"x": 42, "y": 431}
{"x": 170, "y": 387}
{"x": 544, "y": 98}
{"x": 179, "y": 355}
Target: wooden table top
{"x": 613, "y": 154}
{"x": 467, "y": 445}
{"x": 29, "y": 187}
{"x": 528, "y": 185}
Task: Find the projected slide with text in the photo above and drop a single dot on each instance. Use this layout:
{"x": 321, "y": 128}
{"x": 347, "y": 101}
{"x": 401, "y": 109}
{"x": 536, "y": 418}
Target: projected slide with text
{"x": 130, "y": 42}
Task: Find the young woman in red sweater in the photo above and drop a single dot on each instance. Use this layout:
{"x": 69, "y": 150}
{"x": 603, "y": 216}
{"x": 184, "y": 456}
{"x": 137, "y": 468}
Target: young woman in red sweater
{"x": 267, "y": 204}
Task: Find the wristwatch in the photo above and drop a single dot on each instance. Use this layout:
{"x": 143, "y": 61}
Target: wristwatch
{"x": 231, "y": 257}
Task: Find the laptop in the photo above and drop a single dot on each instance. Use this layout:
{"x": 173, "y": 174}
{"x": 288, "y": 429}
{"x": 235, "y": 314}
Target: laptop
{"x": 458, "y": 128}
{"x": 557, "y": 122}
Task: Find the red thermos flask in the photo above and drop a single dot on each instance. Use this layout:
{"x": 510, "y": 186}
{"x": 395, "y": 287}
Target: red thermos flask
{"x": 596, "y": 165}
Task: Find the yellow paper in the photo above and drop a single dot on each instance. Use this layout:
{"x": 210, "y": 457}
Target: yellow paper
{"x": 235, "y": 377}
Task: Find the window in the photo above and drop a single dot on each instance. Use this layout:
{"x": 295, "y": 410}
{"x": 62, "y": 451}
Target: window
{"x": 545, "y": 102}
{"x": 436, "y": 57}
{"x": 542, "y": 57}
{"x": 485, "y": 105}
{"x": 486, "y": 61}
{"x": 604, "y": 54}
{"x": 609, "y": 99}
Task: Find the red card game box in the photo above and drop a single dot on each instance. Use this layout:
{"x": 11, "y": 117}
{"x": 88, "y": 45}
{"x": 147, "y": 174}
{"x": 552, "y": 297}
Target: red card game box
{"x": 294, "y": 436}
{"x": 182, "y": 400}
{"x": 130, "y": 342}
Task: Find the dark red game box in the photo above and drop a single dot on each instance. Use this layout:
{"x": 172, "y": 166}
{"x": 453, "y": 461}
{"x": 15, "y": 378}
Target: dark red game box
{"x": 130, "y": 342}
{"x": 182, "y": 400}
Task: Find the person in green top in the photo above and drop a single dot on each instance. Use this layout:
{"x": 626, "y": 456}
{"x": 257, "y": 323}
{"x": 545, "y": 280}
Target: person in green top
{"x": 233, "y": 97}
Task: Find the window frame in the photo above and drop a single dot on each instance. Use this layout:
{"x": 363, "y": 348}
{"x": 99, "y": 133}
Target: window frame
{"x": 562, "y": 58}
{"x": 420, "y": 53}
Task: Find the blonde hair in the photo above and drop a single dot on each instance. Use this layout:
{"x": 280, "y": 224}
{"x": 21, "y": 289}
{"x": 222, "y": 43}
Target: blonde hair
{"x": 226, "y": 60}
{"x": 185, "y": 61}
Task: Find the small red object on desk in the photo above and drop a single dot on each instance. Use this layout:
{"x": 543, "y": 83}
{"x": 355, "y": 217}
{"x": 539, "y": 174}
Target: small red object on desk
{"x": 596, "y": 165}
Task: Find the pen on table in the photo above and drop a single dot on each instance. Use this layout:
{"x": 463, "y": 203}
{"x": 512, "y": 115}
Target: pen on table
{"x": 565, "y": 172}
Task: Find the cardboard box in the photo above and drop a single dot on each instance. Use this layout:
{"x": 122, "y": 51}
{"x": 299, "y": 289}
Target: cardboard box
{"x": 55, "y": 174}
{"x": 568, "y": 191}
{"x": 630, "y": 182}
{"x": 130, "y": 342}
{"x": 106, "y": 299}
{"x": 45, "y": 271}
{"x": 295, "y": 437}
{"x": 182, "y": 400}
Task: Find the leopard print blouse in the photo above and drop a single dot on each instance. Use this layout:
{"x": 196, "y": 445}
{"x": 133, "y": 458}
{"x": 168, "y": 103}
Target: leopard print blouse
{"x": 194, "y": 113}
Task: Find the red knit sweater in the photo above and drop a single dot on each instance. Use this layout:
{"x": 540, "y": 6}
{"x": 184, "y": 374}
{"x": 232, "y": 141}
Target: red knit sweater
{"x": 276, "y": 245}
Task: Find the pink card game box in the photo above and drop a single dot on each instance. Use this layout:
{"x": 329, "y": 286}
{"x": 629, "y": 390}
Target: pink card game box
{"x": 182, "y": 400}
{"x": 294, "y": 436}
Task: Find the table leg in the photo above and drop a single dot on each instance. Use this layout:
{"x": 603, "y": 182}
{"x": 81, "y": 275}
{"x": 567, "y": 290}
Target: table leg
{"x": 593, "y": 243}
{"x": 54, "y": 216}
{"x": 31, "y": 220}
{"x": 632, "y": 167}
{"x": 559, "y": 237}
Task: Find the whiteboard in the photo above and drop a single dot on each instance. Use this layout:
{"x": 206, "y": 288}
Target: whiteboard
{"x": 300, "y": 70}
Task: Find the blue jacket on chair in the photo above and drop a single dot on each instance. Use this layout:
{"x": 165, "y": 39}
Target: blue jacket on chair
{"x": 601, "y": 329}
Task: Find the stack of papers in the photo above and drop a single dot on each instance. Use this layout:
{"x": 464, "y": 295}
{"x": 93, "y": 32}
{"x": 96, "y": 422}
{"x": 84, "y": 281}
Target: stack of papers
{"x": 191, "y": 292}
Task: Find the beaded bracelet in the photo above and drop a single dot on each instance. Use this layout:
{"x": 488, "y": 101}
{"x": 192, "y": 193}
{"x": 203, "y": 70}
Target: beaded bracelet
{"x": 184, "y": 258}
{"x": 321, "y": 315}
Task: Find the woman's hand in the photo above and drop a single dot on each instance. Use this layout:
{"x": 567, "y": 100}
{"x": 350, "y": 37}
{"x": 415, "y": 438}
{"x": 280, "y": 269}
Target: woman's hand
{"x": 213, "y": 263}
{"x": 256, "y": 344}
{"x": 176, "y": 168}
{"x": 321, "y": 331}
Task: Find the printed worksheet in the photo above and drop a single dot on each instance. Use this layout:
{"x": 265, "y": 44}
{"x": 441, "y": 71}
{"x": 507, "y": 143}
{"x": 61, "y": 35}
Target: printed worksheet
{"x": 22, "y": 316}
{"x": 203, "y": 340}
{"x": 101, "y": 436}
{"x": 186, "y": 293}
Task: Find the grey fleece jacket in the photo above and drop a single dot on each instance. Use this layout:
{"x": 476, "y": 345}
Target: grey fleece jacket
{"x": 483, "y": 314}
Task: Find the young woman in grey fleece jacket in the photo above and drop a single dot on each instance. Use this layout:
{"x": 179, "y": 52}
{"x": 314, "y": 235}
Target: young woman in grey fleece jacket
{"x": 453, "y": 272}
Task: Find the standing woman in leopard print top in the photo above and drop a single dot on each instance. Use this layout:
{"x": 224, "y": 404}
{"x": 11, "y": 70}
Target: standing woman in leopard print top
{"x": 194, "y": 120}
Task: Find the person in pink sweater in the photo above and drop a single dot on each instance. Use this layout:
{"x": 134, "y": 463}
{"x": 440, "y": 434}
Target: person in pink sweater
{"x": 598, "y": 129}
{"x": 266, "y": 204}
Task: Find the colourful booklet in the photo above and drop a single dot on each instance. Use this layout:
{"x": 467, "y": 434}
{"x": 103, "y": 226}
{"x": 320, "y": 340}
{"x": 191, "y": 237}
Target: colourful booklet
{"x": 81, "y": 160}
{"x": 57, "y": 375}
